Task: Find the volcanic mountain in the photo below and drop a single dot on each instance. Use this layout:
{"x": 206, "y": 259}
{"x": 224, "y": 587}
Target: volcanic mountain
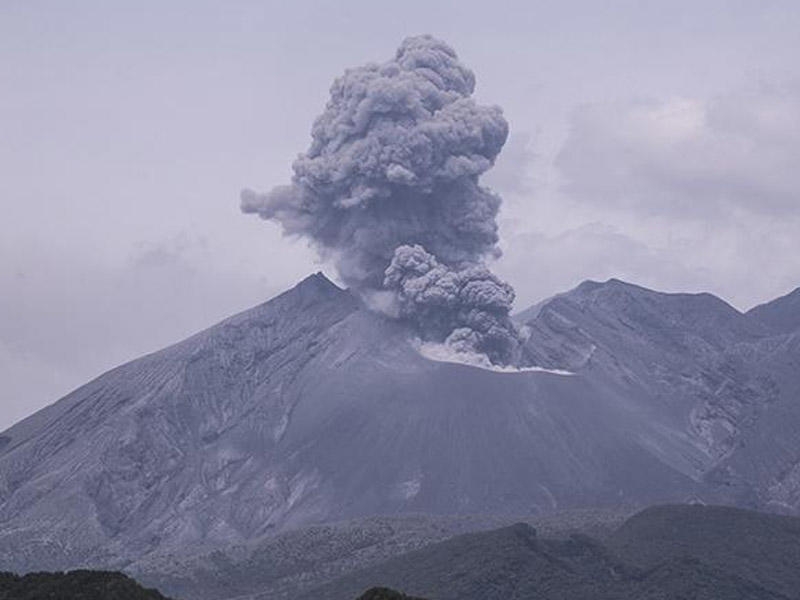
{"x": 311, "y": 408}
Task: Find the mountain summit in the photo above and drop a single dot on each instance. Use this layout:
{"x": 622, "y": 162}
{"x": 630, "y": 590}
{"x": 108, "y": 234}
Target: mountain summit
{"x": 311, "y": 408}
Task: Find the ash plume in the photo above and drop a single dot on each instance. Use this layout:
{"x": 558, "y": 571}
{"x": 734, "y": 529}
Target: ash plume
{"x": 468, "y": 308}
{"x": 389, "y": 191}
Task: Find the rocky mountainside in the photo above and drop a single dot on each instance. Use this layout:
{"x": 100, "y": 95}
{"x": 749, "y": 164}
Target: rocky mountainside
{"x": 728, "y": 383}
{"x": 781, "y": 315}
{"x": 311, "y": 409}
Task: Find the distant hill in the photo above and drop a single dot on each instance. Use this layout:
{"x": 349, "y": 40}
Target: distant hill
{"x": 282, "y": 566}
{"x": 75, "y": 585}
{"x": 384, "y": 594}
{"x": 762, "y": 548}
{"x": 664, "y": 553}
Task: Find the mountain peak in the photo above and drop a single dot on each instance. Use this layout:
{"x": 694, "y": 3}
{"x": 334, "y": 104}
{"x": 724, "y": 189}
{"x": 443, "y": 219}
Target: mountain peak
{"x": 613, "y": 291}
{"x": 314, "y": 289}
{"x": 613, "y": 283}
{"x": 317, "y": 283}
{"x": 614, "y": 315}
{"x": 585, "y": 289}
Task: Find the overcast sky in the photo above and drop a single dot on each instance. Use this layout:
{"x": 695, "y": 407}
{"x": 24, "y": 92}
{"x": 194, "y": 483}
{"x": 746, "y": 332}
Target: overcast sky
{"x": 656, "y": 142}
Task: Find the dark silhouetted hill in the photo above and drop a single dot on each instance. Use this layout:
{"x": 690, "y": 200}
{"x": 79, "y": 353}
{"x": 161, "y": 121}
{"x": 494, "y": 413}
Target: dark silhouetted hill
{"x": 762, "y": 548}
{"x": 75, "y": 585}
{"x": 664, "y": 553}
{"x": 385, "y": 594}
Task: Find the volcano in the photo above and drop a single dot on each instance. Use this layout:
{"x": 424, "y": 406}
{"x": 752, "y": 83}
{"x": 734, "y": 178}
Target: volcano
{"x": 311, "y": 408}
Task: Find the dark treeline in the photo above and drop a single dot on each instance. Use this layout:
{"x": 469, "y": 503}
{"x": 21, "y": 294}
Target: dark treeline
{"x": 74, "y": 585}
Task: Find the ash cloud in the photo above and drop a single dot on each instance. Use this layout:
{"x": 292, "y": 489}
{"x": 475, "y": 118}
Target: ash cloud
{"x": 389, "y": 190}
{"x": 468, "y": 308}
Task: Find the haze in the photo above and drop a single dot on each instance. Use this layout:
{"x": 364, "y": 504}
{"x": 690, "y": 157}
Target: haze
{"x": 655, "y": 142}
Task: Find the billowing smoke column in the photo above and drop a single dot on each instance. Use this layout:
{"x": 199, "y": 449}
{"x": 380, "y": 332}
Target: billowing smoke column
{"x": 466, "y": 307}
{"x": 389, "y": 190}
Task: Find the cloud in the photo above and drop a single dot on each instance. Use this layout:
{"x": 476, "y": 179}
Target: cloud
{"x": 545, "y": 263}
{"x": 29, "y": 380}
{"x": 395, "y": 159}
{"x": 688, "y": 158}
{"x": 678, "y": 195}
{"x": 70, "y": 318}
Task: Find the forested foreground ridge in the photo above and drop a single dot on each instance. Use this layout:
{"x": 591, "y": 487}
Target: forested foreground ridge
{"x": 662, "y": 553}
{"x": 74, "y": 585}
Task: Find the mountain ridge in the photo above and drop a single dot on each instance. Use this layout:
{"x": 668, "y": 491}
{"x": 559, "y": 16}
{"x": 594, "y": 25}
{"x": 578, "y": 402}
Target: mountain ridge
{"x": 782, "y": 314}
{"x": 310, "y": 408}
{"x": 313, "y": 285}
{"x": 654, "y": 555}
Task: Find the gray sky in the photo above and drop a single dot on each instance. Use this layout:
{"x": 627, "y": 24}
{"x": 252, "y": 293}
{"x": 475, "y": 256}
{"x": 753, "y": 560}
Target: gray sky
{"x": 657, "y": 142}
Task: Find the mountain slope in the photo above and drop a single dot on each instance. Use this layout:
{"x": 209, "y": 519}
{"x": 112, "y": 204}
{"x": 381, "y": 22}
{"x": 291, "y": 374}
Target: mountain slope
{"x": 311, "y": 409}
{"x": 724, "y": 379}
{"x": 782, "y": 315}
{"x": 145, "y": 451}
{"x": 306, "y": 409}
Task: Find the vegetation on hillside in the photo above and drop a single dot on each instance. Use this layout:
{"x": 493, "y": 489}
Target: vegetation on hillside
{"x": 382, "y": 593}
{"x": 662, "y": 553}
{"x": 75, "y": 585}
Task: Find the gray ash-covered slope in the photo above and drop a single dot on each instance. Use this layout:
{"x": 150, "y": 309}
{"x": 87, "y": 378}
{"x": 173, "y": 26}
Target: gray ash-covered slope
{"x": 768, "y": 455}
{"x": 728, "y": 382}
{"x": 180, "y": 445}
{"x": 781, "y": 315}
{"x": 310, "y": 408}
